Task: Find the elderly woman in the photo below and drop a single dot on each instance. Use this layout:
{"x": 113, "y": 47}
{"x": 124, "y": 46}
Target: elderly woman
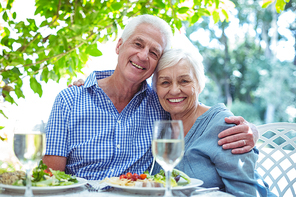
{"x": 179, "y": 79}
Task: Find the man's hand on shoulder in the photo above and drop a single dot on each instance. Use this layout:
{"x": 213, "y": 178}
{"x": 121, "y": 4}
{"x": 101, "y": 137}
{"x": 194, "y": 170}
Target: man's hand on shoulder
{"x": 78, "y": 83}
{"x": 241, "y": 138}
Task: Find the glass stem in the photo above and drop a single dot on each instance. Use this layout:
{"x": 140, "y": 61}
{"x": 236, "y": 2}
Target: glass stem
{"x": 168, "y": 190}
{"x": 28, "y": 192}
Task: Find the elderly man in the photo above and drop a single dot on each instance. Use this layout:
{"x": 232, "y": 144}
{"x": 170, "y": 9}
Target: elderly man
{"x": 104, "y": 128}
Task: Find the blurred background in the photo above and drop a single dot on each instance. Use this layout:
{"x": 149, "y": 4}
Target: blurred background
{"x": 249, "y": 59}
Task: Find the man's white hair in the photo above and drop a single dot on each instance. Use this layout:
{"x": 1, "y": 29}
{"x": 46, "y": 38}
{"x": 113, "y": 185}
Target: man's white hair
{"x": 155, "y": 22}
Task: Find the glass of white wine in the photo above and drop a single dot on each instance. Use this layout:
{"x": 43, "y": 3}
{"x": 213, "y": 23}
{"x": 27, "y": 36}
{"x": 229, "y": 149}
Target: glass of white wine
{"x": 168, "y": 147}
{"x": 29, "y": 148}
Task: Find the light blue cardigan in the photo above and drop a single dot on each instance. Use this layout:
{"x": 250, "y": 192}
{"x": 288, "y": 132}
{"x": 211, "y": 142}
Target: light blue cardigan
{"x": 204, "y": 159}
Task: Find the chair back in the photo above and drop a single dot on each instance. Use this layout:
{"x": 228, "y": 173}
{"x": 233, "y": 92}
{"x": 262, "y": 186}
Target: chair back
{"x": 277, "y": 157}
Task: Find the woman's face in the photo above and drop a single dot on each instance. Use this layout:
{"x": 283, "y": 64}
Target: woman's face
{"x": 177, "y": 89}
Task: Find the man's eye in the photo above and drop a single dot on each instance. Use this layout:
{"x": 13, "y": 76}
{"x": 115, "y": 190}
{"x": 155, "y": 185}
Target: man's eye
{"x": 154, "y": 55}
{"x": 164, "y": 83}
{"x": 138, "y": 44}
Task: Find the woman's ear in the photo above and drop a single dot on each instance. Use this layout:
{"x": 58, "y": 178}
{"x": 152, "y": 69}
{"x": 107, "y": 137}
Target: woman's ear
{"x": 119, "y": 43}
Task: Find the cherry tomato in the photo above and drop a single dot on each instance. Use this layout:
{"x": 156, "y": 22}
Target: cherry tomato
{"x": 135, "y": 176}
{"x": 123, "y": 176}
{"x": 129, "y": 175}
{"x": 48, "y": 172}
{"x": 143, "y": 176}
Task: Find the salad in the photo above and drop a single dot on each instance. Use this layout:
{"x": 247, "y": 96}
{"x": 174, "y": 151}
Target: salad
{"x": 44, "y": 178}
{"x": 176, "y": 175}
{"x": 147, "y": 180}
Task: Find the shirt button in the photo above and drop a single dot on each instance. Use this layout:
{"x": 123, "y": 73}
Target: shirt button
{"x": 118, "y": 121}
{"x": 112, "y": 170}
{"x": 118, "y": 146}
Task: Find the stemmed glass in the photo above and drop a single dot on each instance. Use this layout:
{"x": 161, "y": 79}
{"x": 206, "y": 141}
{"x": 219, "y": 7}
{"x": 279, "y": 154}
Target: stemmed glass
{"x": 29, "y": 149}
{"x": 168, "y": 147}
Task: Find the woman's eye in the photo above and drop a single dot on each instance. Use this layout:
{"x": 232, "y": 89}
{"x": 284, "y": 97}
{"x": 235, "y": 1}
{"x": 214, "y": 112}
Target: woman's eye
{"x": 138, "y": 44}
{"x": 184, "y": 81}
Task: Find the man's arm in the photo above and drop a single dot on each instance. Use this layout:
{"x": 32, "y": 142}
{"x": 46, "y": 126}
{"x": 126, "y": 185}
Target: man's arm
{"x": 241, "y": 138}
{"x": 55, "y": 162}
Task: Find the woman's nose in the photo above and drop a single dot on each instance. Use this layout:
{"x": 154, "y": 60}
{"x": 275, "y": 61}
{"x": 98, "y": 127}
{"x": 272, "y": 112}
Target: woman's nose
{"x": 175, "y": 89}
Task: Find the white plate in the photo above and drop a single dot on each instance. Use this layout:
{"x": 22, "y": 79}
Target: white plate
{"x": 13, "y": 188}
{"x": 143, "y": 190}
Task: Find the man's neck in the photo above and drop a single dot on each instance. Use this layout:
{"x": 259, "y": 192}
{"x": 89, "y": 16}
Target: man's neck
{"x": 119, "y": 91}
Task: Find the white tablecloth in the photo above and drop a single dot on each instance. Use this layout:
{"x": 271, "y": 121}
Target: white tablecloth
{"x": 113, "y": 192}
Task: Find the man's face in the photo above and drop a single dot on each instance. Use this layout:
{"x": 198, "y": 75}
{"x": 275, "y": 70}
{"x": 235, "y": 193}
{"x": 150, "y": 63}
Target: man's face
{"x": 139, "y": 54}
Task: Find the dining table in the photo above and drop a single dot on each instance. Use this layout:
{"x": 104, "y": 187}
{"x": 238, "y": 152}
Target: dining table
{"x": 83, "y": 190}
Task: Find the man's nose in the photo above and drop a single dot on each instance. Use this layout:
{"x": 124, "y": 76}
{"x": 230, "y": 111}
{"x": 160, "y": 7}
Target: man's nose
{"x": 143, "y": 54}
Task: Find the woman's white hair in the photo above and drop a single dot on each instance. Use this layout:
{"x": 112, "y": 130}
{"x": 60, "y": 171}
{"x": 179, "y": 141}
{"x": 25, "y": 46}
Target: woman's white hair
{"x": 173, "y": 57}
{"x": 155, "y": 22}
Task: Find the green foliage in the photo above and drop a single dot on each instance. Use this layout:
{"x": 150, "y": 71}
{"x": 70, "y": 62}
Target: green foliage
{"x": 240, "y": 72}
{"x": 60, "y": 45}
{"x": 246, "y": 110}
{"x": 279, "y": 5}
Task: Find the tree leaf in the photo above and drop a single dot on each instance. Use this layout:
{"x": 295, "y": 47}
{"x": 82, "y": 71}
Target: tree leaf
{"x": 178, "y": 23}
{"x": 116, "y": 6}
{"x": 280, "y": 5}
{"x": 225, "y": 14}
{"x": 1, "y": 112}
{"x": 195, "y": 18}
{"x": 18, "y": 92}
{"x": 83, "y": 57}
{"x": 266, "y": 3}
{"x": 65, "y": 42}
{"x": 35, "y": 86}
{"x": 216, "y": 16}
{"x": 9, "y": 3}
{"x": 14, "y": 15}
{"x": 217, "y": 3}
{"x": 44, "y": 74}
{"x": 93, "y": 50}
{"x": 183, "y": 10}
{"x": 7, "y": 97}
{"x": 5, "y": 16}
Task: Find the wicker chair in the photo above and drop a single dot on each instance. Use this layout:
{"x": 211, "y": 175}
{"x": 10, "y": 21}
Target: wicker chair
{"x": 277, "y": 157}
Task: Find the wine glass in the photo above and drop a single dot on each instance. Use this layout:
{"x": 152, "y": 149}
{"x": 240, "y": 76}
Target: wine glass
{"x": 29, "y": 148}
{"x": 168, "y": 147}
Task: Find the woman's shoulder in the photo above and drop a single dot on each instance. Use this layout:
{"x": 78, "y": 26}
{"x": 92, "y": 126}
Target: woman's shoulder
{"x": 213, "y": 120}
{"x": 217, "y": 113}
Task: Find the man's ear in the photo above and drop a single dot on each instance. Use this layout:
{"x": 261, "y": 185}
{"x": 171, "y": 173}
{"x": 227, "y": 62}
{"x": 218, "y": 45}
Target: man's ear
{"x": 119, "y": 43}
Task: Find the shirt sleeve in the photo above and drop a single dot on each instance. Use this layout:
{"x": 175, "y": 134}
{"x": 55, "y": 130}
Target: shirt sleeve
{"x": 236, "y": 170}
{"x": 56, "y": 128}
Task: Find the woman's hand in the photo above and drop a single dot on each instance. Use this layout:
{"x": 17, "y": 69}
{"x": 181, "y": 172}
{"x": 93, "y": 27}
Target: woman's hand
{"x": 240, "y": 138}
{"x": 78, "y": 83}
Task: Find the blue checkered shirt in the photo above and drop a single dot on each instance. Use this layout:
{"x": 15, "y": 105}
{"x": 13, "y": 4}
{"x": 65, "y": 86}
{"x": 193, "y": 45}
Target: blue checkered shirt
{"x": 99, "y": 142}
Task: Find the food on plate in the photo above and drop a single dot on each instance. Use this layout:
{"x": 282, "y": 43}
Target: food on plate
{"x": 40, "y": 177}
{"x": 147, "y": 180}
{"x": 8, "y": 178}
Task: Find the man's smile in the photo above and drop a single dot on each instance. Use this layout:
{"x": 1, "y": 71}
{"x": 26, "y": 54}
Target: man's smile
{"x": 137, "y": 66}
